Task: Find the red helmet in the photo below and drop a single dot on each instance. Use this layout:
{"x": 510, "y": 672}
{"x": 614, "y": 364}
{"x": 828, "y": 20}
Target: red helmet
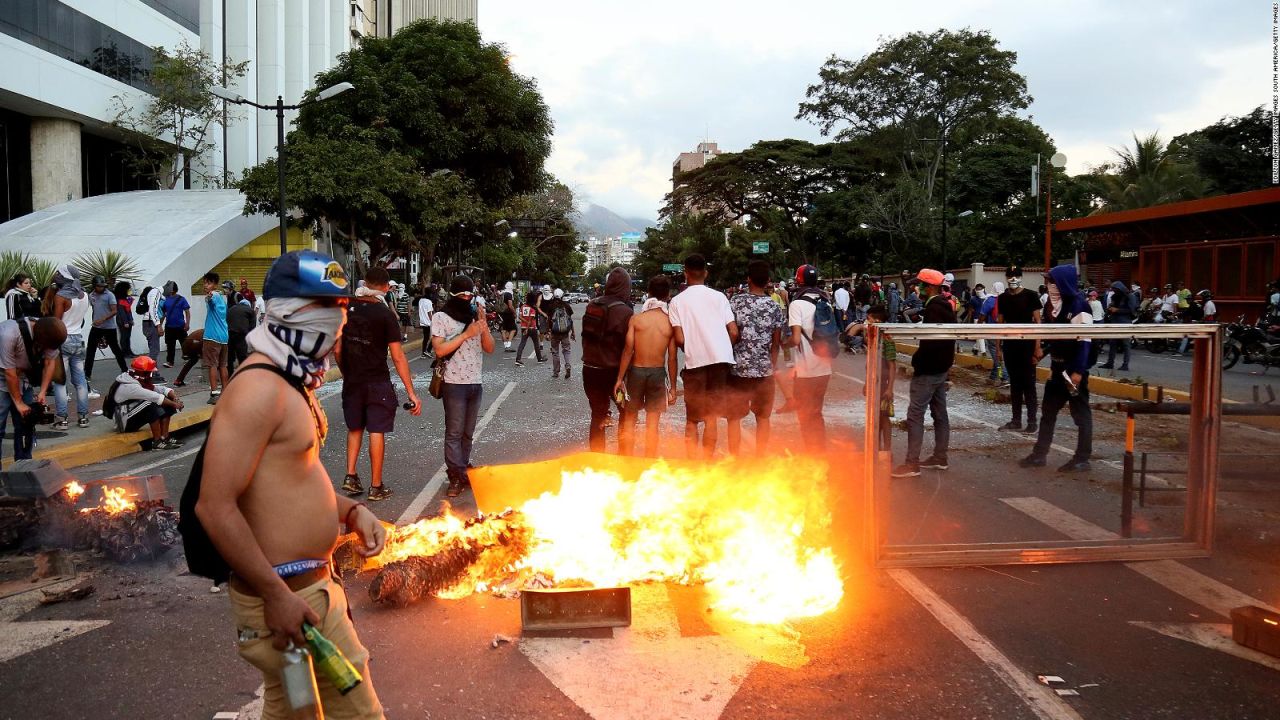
{"x": 143, "y": 364}
{"x": 806, "y": 276}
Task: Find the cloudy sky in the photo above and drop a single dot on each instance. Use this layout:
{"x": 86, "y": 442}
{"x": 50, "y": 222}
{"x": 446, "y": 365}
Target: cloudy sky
{"x": 632, "y": 84}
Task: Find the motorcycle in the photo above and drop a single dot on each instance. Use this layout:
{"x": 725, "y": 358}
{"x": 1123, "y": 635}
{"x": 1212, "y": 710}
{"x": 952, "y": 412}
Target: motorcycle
{"x": 495, "y": 324}
{"x": 1255, "y": 344}
{"x": 1147, "y": 317}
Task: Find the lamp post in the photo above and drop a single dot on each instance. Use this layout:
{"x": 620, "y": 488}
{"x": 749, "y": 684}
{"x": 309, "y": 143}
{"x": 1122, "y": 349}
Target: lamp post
{"x": 1059, "y": 161}
{"x": 280, "y": 107}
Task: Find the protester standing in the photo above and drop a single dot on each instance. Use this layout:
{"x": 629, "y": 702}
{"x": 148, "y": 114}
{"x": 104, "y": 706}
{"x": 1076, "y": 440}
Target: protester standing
{"x": 561, "y": 329}
{"x": 149, "y": 308}
{"x": 813, "y": 367}
{"x": 605, "y": 324}
{"x": 530, "y": 318}
{"x": 103, "y": 329}
{"x": 426, "y": 308}
{"x": 1120, "y": 311}
{"x": 930, "y": 366}
{"x": 369, "y": 401}
{"x": 648, "y": 369}
{"x": 216, "y": 336}
{"x": 1020, "y": 305}
{"x": 751, "y": 386}
{"x": 240, "y": 322}
{"x": 459, "y": 339}
{"x": 267, "y": 502}
{"x": 124, "y": 317}
{"x": 177, "y": 319}
{"x": 71, "y": 306}
{"x": 28, "y": 357}
{"x": 705, "y": 329}
{"x": 20, "y": 298}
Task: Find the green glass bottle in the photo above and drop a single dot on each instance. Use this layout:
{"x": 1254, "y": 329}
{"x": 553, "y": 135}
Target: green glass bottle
{"x": 329, "y": 660}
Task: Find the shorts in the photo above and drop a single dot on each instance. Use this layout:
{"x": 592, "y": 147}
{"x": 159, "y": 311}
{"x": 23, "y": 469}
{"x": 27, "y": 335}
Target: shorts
{"x": 213, "y": 354}
{"x": 647, "y": 387}
{"x": 147, "y": 413}
{"x": 508, "y": 322}
{"x": 704, "y": 392}
{"x": 369, "y": 406}
{"x": 750, "y": 395}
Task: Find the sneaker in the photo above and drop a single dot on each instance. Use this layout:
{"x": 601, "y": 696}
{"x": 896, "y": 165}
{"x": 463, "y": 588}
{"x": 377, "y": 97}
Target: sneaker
{"x": 1032, "y": 428}
{"x": 180, "y": 383}
{"x": 1074, "y": 465}
{"x": 213, "y": 399}
{"x": 934, "y": 463}
{"x": 167, "y": 444}
{"x": 168, "y": 365}
{"x": 542, "y": 359}
{"x": 173, "y": 442}
{"x": 1011, "y": 425}
{"x": 455, "y": 487}
{"x": 519, "y": 364}
{"x": 906, "y": 470}
{"x": 1031, "y": 461}
{"x": 83, "y": 421}
{"x": 379, "y": 492}
{"x": 94, "y": 394}
{"x": 566, "y": 373}
{"x": 510, "y": 349}
{"x": 1124, "y": 368}
{"x": 158, "y": 379}
{"x": 351, "y": 485}
{"x": 61, "y": 424}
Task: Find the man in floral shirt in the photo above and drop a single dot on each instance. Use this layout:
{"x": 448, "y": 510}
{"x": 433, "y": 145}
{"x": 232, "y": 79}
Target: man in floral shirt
{"x": 751, "y": 387}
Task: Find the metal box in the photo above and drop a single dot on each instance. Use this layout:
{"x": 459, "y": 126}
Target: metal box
{"x": 139, "y": 488}
{"x": 575, "y": 608}
{"x": 1256, "y": 629}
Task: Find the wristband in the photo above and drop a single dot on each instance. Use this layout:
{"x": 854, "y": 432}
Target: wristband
{"x": 347, "y": 521}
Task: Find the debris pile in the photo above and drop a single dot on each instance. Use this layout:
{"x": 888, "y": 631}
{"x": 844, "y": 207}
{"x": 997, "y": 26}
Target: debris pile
{"x": 119, "y": 528}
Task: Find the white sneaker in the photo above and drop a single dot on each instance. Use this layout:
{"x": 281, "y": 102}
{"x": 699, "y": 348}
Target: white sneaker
{"x": 94, "y": 394}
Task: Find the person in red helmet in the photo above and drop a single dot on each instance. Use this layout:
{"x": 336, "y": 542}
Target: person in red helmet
{"x": 135, "y": 401}
{"x": 930, "y": 366}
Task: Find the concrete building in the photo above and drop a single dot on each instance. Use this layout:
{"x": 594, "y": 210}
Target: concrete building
{"x": 688, "y": 161}
{"x": 387, "y": 16}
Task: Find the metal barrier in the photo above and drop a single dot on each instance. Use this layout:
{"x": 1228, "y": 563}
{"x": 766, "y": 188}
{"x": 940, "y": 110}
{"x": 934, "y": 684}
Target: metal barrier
{"x": 1205, "y": 411}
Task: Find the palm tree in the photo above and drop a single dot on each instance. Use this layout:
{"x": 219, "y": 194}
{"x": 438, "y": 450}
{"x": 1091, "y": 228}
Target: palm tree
{"x": 1148, "y": 174}
{"x": 110, "y": 264}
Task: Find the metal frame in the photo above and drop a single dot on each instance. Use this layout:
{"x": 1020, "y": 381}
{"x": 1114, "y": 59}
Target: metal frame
{"x": 1202, "y": 453}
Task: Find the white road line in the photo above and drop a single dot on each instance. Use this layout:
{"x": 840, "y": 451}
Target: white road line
{"x": 167, "y": 459}
{"x": 429, "y": 490}
{"x": 1215, "y": 636}
{"x": 1194, "y": 586}
{"x": 1039, "y": 698}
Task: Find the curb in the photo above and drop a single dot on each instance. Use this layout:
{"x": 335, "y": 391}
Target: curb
{"x": 114, "y": 445}
{"x": 1104, "y": 386}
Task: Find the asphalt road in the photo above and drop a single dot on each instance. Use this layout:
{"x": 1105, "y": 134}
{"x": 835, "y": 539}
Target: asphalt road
{"x": 953, "y": 643}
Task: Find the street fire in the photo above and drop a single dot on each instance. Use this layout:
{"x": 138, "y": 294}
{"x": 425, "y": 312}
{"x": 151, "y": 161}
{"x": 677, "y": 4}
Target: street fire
{"x": 73, "y": 490}
{"x": 114, "y": 502}
{"x": 754, "y": 534}
{"x": 120, "y": 527}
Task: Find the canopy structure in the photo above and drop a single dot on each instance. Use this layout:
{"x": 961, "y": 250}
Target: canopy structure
{"x": 174, "y": 235}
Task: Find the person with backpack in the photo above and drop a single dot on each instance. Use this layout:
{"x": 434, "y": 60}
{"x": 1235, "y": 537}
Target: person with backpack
{"x": 705, "y": 330}
{"x": 1068, "y": 382}
{"x": 70, "y": 304}
{"x": 460, "y": 337}
{"x": 562, "y": 333}
{"x": 135, "y": 401}
{"x": 29, "y": 349}
{"x": 177, "y": 320}
{"x": 930, "y": 366}
{"x": 148, "y": 308}
{"x": 260, "y": 508}
{"x": 605, "y": 323}
{"x": 815, "y": 335}
{"x": 530, "y": 316}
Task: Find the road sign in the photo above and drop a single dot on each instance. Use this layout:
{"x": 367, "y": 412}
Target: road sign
{"x": 759, "y": 248}
{"x": 672, "y": 267}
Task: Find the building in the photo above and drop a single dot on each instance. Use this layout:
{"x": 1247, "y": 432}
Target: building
{"x": 688, "y": 161}
{"x": 1228, "y": 244}
{"x": 384, "y": 18}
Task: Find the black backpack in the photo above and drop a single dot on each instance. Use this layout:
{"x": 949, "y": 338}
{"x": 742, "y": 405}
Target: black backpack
{"x": 203, "y": 558}
{"x": 143, "y": 307}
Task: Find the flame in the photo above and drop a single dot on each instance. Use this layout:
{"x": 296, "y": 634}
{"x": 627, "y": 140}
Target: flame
{"x": 113, "y": 502}
{"x": 754, "y": 534}
{"x": 73, "y": 490}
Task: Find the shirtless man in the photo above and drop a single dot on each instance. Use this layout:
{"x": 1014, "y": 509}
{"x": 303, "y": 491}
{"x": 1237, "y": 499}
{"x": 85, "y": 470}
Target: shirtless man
{"x": 267, "y": 502}
{"x": 648, "y": 361}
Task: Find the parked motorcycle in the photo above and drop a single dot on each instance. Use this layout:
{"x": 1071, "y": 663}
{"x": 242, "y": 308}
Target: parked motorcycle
{"x": 1254, "y": 344}
{"x": 1149, "y": 317}
{"x": 495, "y": 324}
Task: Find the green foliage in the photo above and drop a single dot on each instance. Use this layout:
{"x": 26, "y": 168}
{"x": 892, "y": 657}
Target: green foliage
{"x": 1148, "y": 174}
{"x": 111, "y": 264}
{"x": 1232, "y": 155}
{"x": 438, "y": 134}
{"x": 598, "y": 274}
{"x": 173, "y": 123}
{"x": 13, "y": 262}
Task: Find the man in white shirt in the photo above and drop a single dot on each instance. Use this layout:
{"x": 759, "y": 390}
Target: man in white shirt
{"x": 426, "y": 309}
{"x": 813, "y": 371}
{"x": 841, "y": 297}
{"x": 1169, "y": 302}
{"x": 705, "y": 329}
{"x": 152, "y": 327}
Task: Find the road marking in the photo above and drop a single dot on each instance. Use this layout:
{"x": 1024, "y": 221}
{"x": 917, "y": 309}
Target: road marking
{"x": 168, "y": 458}
{"x": 1215, "y": 636}
{"x": 647, "y": 670}
{"x": 429, "y": 490}
{"x": 20, "y": 638}
{"x": 1194, "y": 586}
{"x": 1039, "y": 698}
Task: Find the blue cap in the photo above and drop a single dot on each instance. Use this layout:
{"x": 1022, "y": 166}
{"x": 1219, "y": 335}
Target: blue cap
{"x": 304, "y": 274}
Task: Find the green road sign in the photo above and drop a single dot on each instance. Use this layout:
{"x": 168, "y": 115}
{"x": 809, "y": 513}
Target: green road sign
{"x": 672, "y": 267}
{"x": 759, "y": 248}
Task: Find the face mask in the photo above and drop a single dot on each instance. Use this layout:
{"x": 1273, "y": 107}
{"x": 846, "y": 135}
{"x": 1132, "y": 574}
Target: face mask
{"x": 299, "y": 341}
{"x": 1015, "y": 282}
{"x": 982, "y": 294}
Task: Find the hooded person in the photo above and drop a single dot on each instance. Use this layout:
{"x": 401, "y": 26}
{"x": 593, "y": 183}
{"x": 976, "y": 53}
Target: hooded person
{"x": 265, "y": 500}
{"x": 1068, "y": 382}
{"x": 507, "y": 313}
{"x": 460, "y": 338}
{"x": 605, "y": 321}
{"x": 1121, "y": 309}
{"x": 70, "y": 304}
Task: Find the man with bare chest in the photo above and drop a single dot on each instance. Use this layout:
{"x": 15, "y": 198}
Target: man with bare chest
{"x": 267, "y": 502}
{"x": 648, "y": 363}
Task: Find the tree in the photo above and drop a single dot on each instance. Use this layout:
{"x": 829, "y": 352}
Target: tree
{"x": 1232, "y": 155}
{"x": 1148, "y": 174}
{"x": 172, "y": 125}
{"x": 438, "y": 134}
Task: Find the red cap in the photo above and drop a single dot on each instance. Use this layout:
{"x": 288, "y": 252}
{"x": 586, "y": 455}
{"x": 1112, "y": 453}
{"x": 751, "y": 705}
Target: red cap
{"x": 143, "y": 363}
{"x": 929, "y": 276}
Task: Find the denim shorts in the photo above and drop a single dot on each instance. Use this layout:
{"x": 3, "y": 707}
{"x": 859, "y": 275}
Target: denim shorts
{"x": 647, "y": 387}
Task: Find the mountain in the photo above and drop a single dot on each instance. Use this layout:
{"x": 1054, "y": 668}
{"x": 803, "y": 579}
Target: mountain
{"x": 601, "y": 221}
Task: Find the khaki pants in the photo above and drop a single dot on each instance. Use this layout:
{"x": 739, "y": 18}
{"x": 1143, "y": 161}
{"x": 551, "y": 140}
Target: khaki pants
{"x": 329, "y": 600}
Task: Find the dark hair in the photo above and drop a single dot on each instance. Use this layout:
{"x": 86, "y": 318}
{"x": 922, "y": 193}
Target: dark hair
{"x": 16, "y": 280}
{"x": 121, "y": 289}
{"x": 695, "y": 262}
{"x": 212, "y": 277}
{"x": 758, "y": 273}
{"x": 50, "y": 331}
{"x": 377, "y": 276}
{"x": 660, "y": 287}
{"x": 879, "y": 312}
{"x": 461, "y": 283}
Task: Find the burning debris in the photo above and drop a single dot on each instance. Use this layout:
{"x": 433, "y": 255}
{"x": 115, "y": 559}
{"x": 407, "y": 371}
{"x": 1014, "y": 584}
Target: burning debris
{"x": 754, "y": 534}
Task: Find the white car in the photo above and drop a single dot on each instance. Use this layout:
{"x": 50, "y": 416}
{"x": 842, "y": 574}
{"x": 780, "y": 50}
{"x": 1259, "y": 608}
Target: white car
{"x": 576, "y": 297}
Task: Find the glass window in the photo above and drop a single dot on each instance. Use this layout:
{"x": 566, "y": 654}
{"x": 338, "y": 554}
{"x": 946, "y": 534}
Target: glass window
{"x": 1258, "y": 271}
{"x": 1230, "y": 258}
{"x": 68, "y": 33}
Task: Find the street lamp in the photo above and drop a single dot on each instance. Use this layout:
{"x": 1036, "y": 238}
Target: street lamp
{"x": 280, "y": 107}
{"x": 1059, "y": 161}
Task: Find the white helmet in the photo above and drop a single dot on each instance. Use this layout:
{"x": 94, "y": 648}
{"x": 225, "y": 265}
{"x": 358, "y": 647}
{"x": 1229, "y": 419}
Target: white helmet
{"x": 546, "y": 291}
{"x": 948, "y": 278}
{"x": 510, "y": 285}
{"x": 559, "y": 293}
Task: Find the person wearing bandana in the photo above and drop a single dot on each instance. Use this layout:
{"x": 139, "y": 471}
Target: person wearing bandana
{"x": 267, "y": 502}
{"x": 458, "y": 338}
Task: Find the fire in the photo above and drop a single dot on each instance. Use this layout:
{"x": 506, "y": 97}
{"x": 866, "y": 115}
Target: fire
{"x": 755, "y": 535}
{"x": 73, "y": 490}
{"x": 113, "y": 502}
